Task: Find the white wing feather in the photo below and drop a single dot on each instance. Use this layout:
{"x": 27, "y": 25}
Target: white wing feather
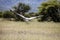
{"x": 20, "y": 15}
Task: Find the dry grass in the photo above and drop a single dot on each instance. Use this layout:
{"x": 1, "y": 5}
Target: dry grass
{"x": 11, "y": 30}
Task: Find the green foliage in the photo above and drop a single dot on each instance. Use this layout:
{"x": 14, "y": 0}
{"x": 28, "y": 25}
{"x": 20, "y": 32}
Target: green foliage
{"x": 50, "y": 9}
{"x": 21, "y": 8}
{"x": 46, "y": 5}
{"x": 7, "y": 14}
{"x": 27, "y": 15}
{"x": 32, "y": 14}
{"x": 1, "y": 14}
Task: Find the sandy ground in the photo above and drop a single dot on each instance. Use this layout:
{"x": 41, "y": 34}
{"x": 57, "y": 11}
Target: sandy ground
{"x": 11, "y": 30}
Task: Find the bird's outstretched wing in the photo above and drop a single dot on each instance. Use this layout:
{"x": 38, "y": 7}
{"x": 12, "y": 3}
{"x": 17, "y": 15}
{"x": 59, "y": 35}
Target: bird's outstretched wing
{"x": 32, "y": 18}
{"x": 20, "y": 15}
{"x": 36, "y": 17}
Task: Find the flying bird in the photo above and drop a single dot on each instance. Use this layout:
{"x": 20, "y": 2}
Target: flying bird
{"x": 26, "y": 18}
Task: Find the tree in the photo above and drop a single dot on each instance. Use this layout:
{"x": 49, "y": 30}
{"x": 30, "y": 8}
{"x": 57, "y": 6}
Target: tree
{"x": 50, "y": 8}
{"x": 21, "y": 8}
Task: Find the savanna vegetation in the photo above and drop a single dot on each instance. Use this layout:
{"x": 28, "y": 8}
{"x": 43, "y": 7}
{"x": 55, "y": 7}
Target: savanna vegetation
{"x": 33, "y": 30}
{"x": 49, "y": 9}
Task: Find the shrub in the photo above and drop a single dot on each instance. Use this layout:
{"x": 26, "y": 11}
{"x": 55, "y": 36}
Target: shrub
{"x": 7, "y": 14}
{"x": 0, "y": 14}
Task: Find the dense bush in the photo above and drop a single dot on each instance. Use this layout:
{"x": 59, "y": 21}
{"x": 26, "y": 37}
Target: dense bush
{"x": 1, "y": 14}
{"x": 50, "y": 9}
{"x": 27, "y": 15}
{"x": 8, "y": 14}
